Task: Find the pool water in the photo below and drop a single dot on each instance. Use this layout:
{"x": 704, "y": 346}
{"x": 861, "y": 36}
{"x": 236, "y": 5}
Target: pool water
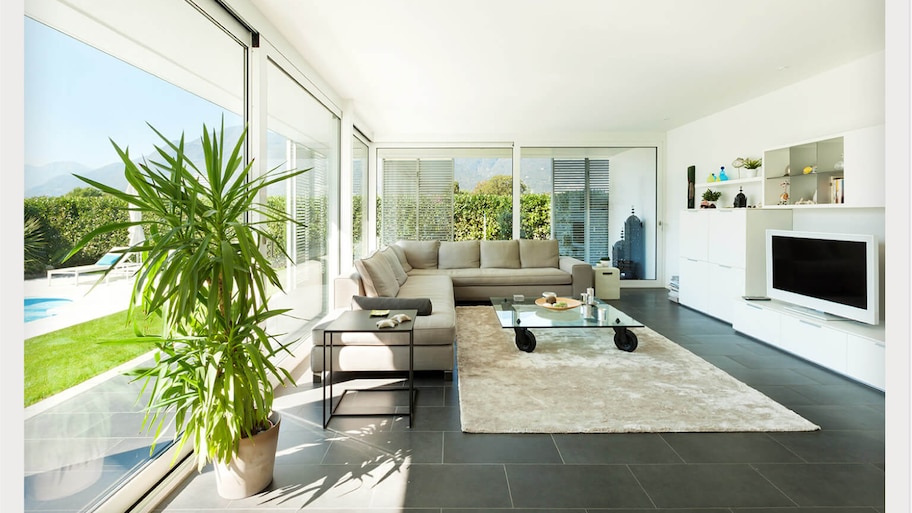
{"x": 40, "y": 307}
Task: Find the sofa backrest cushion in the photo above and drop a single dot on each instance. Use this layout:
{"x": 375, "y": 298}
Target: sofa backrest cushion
{"x": 394, "y": 264}
{"x": 422, "y": 304}
{"x": 538, "y": 253}
{"x": 377, "y": 276}
{"x": 500, "y": 253}
{"x": 400, "y": 253}
{"x": 421, "y": 254}
{"x": 458, "y": 255}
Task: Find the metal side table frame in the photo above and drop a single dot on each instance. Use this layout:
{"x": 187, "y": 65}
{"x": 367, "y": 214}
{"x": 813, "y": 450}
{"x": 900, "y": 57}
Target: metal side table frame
{"x": 360, "y": 321}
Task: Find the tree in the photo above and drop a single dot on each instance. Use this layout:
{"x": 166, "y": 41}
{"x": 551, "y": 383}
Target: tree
{"x": 85, "y": 192}
{"x": 499, "y": 184}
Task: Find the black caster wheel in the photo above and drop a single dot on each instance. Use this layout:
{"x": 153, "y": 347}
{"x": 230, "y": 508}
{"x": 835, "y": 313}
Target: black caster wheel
{"x": 625, "y": 340}
{"x": 525, "y": 340}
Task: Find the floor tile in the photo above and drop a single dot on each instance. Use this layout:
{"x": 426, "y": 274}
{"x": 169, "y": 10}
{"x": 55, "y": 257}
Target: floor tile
{"x": 828, "y": 484}
{"x": 614, "y": 448}
{"x": 452, "y": 486}
{"x": 713, "y": 485}
{"x": 835, "y": 446}
{"x": 395, "y": 446}
{"x": 728, "y": 448}
{"x": 853, "y": 417}
{"x": 806, "y": 510}
{"x": 575, "y": 486}
{"x": 499, "y": 448}
{"x": 841, "y": 393}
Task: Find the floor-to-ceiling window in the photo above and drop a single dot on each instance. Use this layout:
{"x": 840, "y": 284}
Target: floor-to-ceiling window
{"x": 301, "y": 134}
{"x": 97, "y": 71}
{"x": 359, "y": 194}
{"x": 596, "y": 202}
{"x": 445, "y": 193}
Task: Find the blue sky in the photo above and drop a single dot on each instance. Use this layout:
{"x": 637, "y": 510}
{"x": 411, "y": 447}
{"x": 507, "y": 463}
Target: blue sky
{"x": 77, "y": 97}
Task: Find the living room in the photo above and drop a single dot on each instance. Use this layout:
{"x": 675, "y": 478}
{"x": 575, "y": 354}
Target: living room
{"x": 796, "y": 104}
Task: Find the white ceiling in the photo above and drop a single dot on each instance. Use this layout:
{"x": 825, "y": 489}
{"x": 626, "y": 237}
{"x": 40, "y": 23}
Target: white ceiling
{"x": 479, "y": 70}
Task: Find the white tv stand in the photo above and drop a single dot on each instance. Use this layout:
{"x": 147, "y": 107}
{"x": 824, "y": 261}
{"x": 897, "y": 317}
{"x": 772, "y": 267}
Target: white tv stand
{"x": 848, "y": 347}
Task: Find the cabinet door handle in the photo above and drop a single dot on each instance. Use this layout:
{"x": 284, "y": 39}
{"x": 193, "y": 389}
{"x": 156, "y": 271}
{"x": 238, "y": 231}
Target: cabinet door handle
{"x": 880, "y": 344}
{"x": 802, "y": 321}
{"x": 724, "y": 266}
{"x": 755, "y": 307}
{"x": 691, "y": 259}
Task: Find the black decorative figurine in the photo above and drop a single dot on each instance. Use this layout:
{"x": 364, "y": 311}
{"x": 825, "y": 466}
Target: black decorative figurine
{"x": 740, "y": 199}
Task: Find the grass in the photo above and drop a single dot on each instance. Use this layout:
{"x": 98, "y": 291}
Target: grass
{"x": 64, "y": 358}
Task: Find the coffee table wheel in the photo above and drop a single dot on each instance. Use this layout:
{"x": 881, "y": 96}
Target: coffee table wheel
{"x": 625, "y": 340}
{"x": 525, "y": 340}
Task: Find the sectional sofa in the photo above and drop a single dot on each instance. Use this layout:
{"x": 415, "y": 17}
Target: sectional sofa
{"x": 438, "y": 274}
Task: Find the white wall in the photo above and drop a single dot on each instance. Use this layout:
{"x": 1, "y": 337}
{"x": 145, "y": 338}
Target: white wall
{"x": 839, "y": 100}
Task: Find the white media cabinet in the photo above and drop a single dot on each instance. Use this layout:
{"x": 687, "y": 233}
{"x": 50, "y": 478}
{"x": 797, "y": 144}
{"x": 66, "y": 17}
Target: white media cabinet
{"x": 850, "y": 348}
{"x": 723, "y": 257}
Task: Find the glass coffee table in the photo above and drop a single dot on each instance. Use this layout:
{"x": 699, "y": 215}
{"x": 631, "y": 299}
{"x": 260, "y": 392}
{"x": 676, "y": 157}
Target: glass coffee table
{"x": 525, "y": 315}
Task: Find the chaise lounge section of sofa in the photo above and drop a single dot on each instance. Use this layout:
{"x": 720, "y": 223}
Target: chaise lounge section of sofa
{"x": 442, "y": 272}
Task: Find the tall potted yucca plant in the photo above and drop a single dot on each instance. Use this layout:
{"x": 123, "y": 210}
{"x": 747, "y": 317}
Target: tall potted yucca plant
{"x": 204, "y": 270}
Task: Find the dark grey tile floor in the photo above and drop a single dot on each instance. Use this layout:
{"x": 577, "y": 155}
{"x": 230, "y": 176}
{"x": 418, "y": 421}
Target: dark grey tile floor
{"x": 379, "y": 464}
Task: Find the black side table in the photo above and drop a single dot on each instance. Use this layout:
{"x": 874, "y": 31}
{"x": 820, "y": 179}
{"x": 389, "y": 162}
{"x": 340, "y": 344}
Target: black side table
{"x": 360, "y": 321}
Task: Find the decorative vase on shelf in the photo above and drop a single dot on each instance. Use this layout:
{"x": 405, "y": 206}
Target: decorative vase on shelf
{"x": 750, "y": 173}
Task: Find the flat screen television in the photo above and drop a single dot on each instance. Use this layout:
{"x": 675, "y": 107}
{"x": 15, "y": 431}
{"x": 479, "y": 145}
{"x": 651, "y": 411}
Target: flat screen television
{"x": 826, "y": 274}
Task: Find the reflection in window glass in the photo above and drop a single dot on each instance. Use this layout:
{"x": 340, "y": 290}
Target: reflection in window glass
{"x": 89, "y": 442}
{"x": 597, "y": 202}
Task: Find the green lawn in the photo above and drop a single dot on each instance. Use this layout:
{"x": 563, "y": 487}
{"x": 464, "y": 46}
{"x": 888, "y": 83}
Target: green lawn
{"x": 64, "y": 358}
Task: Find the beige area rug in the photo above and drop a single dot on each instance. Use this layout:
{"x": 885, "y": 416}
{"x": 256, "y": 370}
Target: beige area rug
{"x": 577, "y": 381}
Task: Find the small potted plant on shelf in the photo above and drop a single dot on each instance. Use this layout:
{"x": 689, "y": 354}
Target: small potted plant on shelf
{"x": 205, "y": 271}
{"x": 709, "y": 198}
{"x": 750, "y": 166}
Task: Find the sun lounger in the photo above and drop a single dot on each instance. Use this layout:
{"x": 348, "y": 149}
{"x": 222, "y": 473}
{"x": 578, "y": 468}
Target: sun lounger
{"x": 126, "y": 267}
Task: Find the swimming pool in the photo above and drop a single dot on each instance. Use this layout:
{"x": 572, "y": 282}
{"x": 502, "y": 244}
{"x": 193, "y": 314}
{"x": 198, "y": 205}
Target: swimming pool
{"x": 39, "y": 307}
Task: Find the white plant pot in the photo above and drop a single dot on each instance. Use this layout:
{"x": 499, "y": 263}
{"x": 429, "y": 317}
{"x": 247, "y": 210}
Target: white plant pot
{"x": 250, "y": 472}
{"x": 749, "y": 173}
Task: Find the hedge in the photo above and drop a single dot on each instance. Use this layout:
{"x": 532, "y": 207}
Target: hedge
{"x": 64, "y": 220}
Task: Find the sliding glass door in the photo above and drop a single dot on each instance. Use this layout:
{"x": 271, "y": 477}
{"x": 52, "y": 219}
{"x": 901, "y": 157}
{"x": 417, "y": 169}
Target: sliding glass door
{"x": 597, "y": 203}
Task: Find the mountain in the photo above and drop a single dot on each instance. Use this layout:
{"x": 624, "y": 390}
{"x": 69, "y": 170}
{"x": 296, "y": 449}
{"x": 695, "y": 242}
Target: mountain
{"x": 56, "y": 179}
{"x": 39, "y": 175}
{"x": 112, "y": 175}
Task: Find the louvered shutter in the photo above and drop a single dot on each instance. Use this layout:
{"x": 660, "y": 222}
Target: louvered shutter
{"x": 400, "y": 192}
{"x": 599, "y": 245}
{"x": 310, "y": 206}
{"x": 417, "y": 200}
{"x": 435, "y": 199}
{"x": 580, "y": 207}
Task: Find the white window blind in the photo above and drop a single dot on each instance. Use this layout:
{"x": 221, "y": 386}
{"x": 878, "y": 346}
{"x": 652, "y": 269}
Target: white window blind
{"x": 310, "y": 205}
{"x": 579, "y": 211}
{"x": 417, "y": 200}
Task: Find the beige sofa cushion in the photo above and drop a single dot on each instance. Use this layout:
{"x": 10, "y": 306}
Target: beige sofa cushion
{"x": 400, "y": 253}
{"x": 538, "y": 253}
{"x": 458, "y": 255}
{"x": 421, "y": 254}
{"x": 500, "y": 253}
{"x": 377, "y": 276}
{"x": 394, "y": 264}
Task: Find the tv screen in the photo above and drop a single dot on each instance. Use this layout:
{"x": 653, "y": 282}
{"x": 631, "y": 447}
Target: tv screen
{"x": 832, "y": 270}
{"x": 826, "y": 272}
